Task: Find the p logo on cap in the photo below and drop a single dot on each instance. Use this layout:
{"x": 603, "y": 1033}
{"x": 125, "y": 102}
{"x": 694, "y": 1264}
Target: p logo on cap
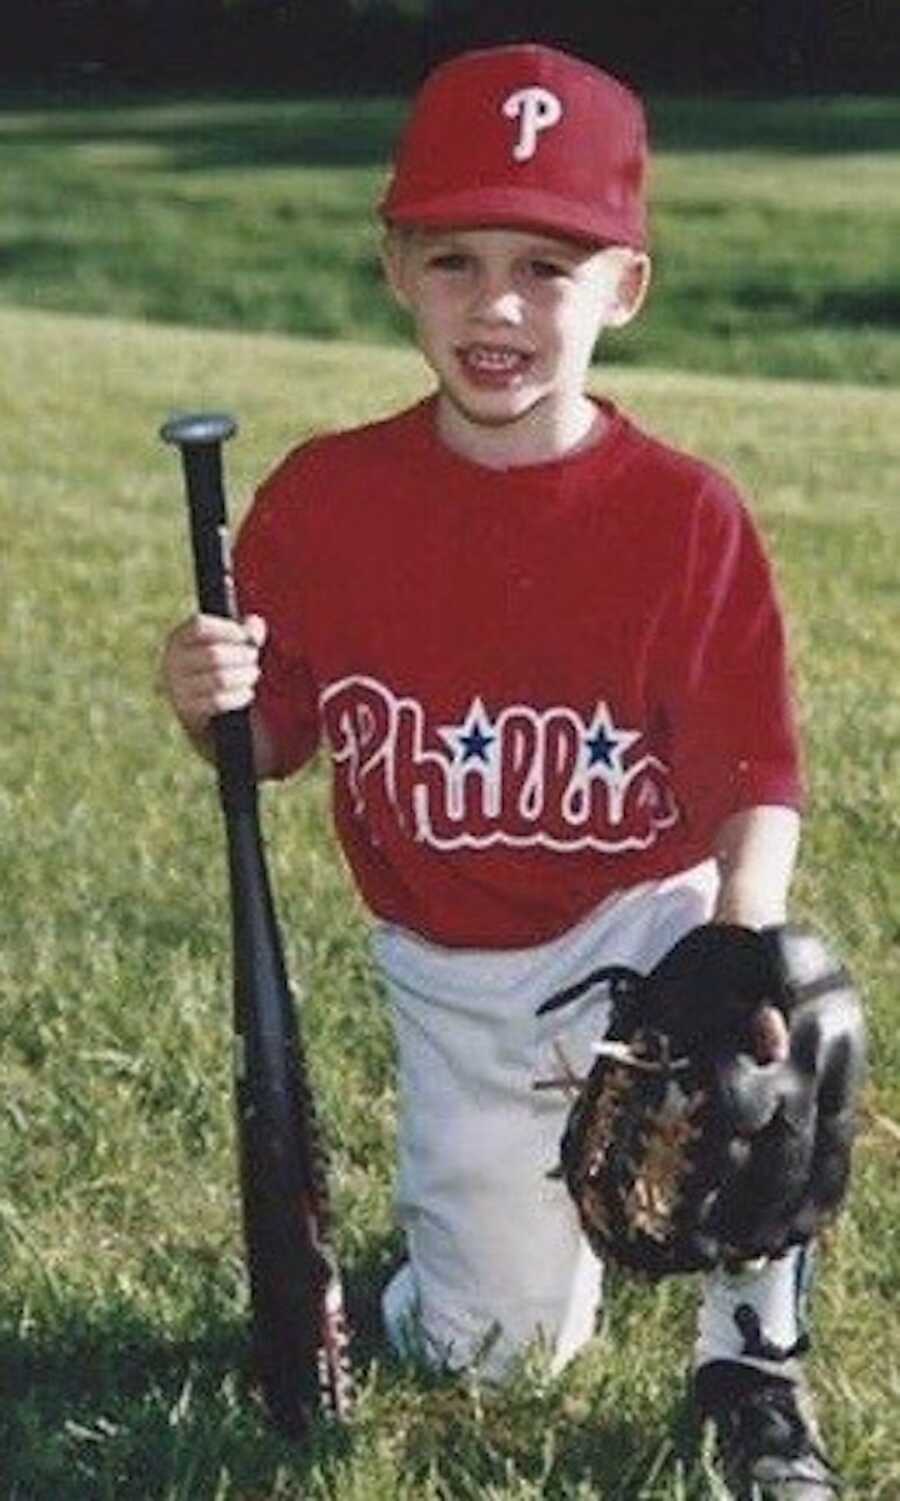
{"x": 536, "y": 110}
{"x": 523, "y": 137}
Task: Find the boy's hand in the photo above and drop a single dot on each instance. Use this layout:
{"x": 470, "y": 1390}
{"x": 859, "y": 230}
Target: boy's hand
{"x": 770, "y": 1035}
{"x": 756, "y": 850}
{"x": 210, "y": 665}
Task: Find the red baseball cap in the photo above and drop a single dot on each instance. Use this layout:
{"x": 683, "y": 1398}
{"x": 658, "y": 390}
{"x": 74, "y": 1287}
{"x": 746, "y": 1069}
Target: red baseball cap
{"x": 523, "y": 136}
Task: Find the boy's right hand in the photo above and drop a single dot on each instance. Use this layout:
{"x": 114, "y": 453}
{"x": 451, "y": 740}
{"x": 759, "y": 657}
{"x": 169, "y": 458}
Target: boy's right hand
{"x": 210, "y": 665}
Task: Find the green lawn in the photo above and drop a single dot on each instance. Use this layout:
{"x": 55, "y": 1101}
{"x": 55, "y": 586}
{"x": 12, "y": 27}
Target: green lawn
{"x": 122, "y": 1302}
{"x": 776, "y": 224}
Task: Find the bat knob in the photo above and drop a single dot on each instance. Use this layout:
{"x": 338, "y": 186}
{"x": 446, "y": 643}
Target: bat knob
{"x": 198, "y": 429}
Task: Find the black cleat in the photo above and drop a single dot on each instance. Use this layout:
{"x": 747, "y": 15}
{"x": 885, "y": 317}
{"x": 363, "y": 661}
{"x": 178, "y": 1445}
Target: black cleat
{"x": 768, "y": 1444}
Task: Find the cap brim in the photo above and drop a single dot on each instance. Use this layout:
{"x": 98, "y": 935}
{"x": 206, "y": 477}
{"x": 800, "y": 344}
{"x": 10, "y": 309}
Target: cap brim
{"x": 516, "y": 208}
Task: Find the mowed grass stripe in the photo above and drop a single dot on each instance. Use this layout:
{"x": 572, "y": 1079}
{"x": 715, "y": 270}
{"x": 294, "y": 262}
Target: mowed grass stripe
{"x": 775, "y": 223}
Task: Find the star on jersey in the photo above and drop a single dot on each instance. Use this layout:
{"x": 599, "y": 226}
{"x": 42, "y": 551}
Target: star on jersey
{"x": 606, "y": 745}
{"x": 471, "y": 740}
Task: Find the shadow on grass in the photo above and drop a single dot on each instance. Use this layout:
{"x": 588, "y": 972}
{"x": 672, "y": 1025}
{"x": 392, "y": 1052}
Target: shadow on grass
{"x": 204, "y": 132}
{"x": 550, "y": 1446}
{"x": 824, "y": 125}
{"x": 875, "y": 305}
{"x": 97, "y": 1402}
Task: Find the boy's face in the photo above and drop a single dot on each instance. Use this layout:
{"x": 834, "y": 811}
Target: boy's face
{"x": 508, "y": 320}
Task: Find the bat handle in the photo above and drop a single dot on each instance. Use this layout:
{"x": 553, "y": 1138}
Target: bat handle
{"x": 200, "y": 436}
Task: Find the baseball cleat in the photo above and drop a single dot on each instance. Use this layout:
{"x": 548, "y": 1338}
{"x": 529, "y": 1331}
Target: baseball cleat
{"x": 769, "y": 1448}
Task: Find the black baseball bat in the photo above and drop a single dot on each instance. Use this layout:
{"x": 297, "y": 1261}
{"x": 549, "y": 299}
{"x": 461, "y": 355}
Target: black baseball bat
{"x": 299, "y": 1330}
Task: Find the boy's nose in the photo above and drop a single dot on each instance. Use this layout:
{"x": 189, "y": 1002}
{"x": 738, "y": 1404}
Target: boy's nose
{"x": 498, "y": 302}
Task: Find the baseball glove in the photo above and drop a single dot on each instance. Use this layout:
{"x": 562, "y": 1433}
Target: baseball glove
{"x": 681, "y": 1150}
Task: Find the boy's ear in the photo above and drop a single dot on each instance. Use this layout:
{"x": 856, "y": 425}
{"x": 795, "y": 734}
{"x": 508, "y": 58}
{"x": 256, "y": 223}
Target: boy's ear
{"x": 632, "y": 288}
{"x": 393, "y": 256}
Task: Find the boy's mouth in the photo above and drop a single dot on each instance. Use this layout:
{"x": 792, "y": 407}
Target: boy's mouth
{"x": 493, "y": 364}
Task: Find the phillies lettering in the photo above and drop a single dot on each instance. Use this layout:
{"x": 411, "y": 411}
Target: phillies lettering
{"x": 536, "y": 109}
{"x": 517, "y": 777}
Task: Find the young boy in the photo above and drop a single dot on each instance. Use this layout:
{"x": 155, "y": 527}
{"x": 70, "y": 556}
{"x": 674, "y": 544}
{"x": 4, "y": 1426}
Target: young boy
{"x": 545, "y": 657}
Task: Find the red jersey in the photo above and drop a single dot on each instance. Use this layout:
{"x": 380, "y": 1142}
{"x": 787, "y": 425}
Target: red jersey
{"x": 537, "y": 686}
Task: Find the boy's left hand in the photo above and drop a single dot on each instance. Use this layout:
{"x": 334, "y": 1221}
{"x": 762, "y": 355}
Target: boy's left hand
{"x": 769, "y": 1033}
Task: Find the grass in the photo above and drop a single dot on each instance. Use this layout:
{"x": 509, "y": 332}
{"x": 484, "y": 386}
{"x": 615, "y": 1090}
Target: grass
{"x": 776, "y": 224}
{"x": 122, "y": 1301}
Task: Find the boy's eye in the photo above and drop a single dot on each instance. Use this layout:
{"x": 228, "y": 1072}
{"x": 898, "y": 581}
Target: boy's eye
{"x": 545, "y": 270}
{"x": 448, "y": 260}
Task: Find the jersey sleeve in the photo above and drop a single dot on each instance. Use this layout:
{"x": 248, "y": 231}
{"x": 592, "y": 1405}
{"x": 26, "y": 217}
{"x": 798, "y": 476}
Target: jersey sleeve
{"x": 735, "y": 736}
{"x": 268, "y": 577}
